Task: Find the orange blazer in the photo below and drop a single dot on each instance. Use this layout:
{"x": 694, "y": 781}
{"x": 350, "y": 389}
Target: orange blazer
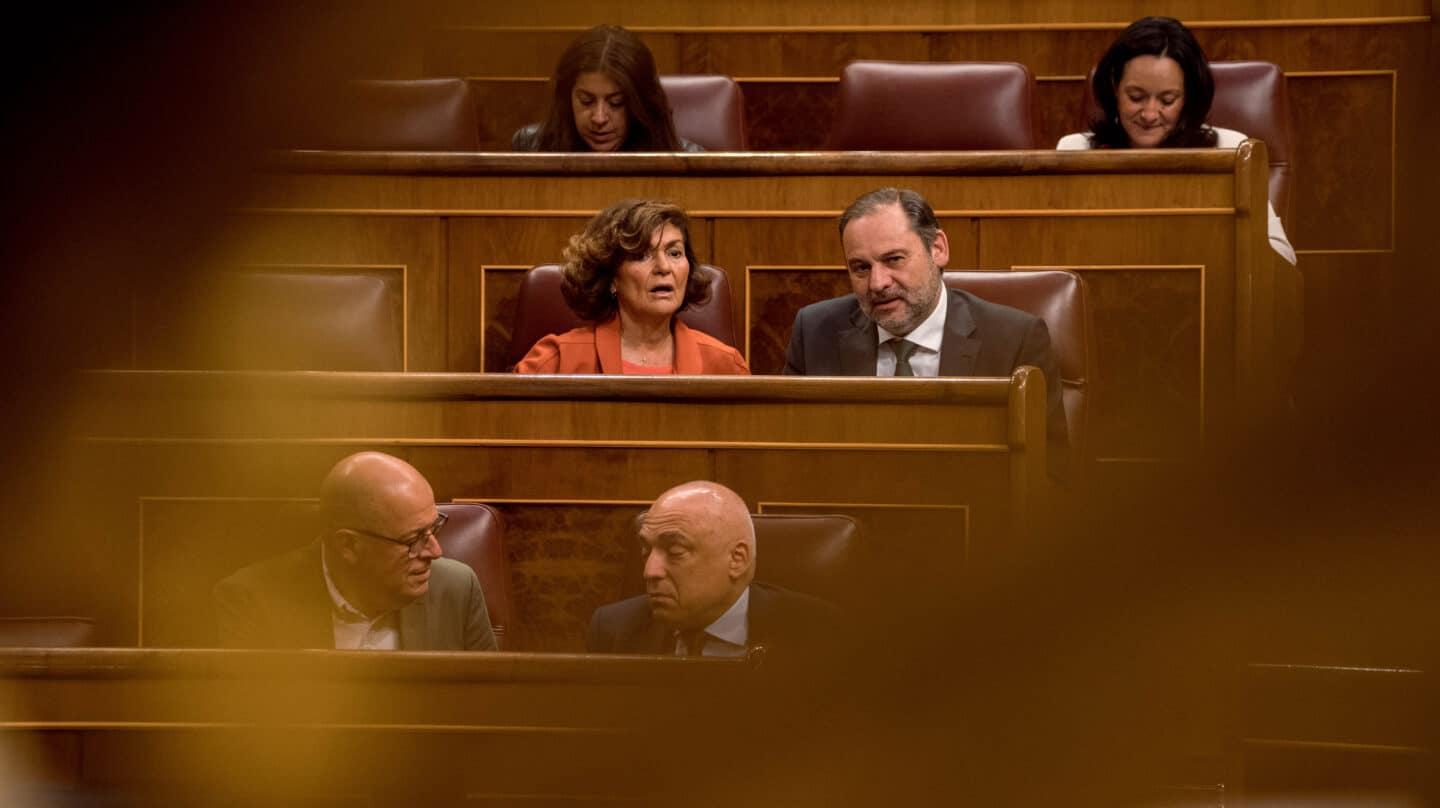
{"x": 596, "y": 349}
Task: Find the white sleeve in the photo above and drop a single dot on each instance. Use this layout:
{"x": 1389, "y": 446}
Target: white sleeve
{"x": 1278, "y": 242}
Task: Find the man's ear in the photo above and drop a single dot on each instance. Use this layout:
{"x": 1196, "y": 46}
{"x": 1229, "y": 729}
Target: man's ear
{"x": 739, "y": 560}
{"x": 342, "y": 544}
{"x": 940, "y": 249}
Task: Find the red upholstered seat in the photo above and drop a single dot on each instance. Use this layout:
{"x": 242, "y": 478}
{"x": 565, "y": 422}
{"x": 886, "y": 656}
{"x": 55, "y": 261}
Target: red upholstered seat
{"x": 934, "y": 106}
{"x": 403, "y": 115}
{"x": 1250, "y": 97}
{"x": 1058, "y": 297}
{"x": 708, "y": 110}
{"x": 475, "y": 535}
{"x": 540, "y": 310}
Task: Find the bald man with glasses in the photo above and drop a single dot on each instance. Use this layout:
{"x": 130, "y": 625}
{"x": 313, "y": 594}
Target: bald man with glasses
{"x": 374, "y": 580}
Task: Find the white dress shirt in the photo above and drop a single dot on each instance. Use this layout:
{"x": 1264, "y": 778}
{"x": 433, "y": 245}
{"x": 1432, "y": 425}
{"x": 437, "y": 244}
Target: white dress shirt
{"x": 927, "y": 336}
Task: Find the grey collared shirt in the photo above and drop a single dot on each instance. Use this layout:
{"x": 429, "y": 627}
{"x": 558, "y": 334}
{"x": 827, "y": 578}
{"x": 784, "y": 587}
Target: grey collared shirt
{"x": 728, "y": 635}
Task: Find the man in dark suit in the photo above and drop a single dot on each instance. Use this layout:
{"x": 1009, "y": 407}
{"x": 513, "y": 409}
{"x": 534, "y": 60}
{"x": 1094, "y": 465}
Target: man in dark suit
{"x": 902, "y": 321}
{"x": 700, "y": 596}
{"x": 374, "y": 580}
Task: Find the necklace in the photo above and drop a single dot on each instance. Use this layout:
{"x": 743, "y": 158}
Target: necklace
{"x": 657, "y": 356}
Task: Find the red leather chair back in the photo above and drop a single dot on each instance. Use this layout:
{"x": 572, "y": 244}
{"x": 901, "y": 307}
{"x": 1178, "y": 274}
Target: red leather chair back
{"x": 540, "y": 310}
{"x": 1250, "y": 97}
{"x": 1058, "y": 297}
{"x": 475, "y": 535}
{"x": 810, "y": 553}
{"x": 46, "y": 632}
{"x": 708, "y": 110}
{"x": 406, "y": 115}
{"x": 929, "y": 106}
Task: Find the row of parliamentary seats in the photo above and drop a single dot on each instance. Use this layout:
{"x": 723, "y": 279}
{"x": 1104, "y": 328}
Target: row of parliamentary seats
{"x": 380, "y": 586}
{"x": 882, "y": 106}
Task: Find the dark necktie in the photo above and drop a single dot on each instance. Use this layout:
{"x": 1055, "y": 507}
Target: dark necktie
{"x": 694, "y": 641}
{"x": 903, "y": 349}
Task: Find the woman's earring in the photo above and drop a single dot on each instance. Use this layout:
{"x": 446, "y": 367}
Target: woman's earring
{"x": 612, "y": 290}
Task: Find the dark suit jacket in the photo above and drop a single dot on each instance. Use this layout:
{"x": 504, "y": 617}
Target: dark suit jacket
{"x": 282, "y": 602}
{"x": 780, "y": 620}
{"x": 833, "y": 338}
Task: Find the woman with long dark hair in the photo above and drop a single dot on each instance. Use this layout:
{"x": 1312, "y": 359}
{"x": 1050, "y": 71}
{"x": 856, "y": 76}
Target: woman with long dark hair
{"x": 605, "y": 96}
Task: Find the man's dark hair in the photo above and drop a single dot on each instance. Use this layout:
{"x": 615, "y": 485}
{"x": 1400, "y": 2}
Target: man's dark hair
{"x": 917, "y": 211}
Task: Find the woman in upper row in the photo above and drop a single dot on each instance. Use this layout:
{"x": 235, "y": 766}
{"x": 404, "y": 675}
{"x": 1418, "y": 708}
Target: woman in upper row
{"x": 627, "y": 275}
{"x": 606, "y": 97}
{"x": 1154, "y": 89}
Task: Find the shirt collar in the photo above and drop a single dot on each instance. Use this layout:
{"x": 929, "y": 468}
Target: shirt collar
{"x": 931, "y": 331}
{"x": 343, "y": 608}
{"x": 734, "y": 625}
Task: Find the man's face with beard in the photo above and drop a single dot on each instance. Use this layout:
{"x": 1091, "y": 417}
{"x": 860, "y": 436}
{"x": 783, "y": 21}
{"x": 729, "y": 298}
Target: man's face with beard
{"x": 896, "y": 279}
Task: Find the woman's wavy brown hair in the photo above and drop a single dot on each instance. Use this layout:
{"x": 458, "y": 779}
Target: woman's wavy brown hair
{"x": 619, "y": 233}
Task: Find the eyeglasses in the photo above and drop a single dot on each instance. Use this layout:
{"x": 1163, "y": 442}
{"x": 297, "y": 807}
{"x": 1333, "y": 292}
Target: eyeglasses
{"x": 415, "y": 542}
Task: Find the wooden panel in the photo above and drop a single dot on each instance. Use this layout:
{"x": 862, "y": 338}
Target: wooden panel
{"x": 1156, "y": 351}
{"x": 1350, "y": 121}
{"x": 487, "y": 260}
{"x": 506, "y": 105}
{"x": 777, "y": 294}
{"x": 783, "y": 115}
{"x": 566, "y": 560}
{"x": 1364, "y": 290}
{"x": 168, "y": 727}
{"x": 454, "y": 51}
{"x": 813, "y": 53}
{"x": 926, "y": 13}
{"x": 1148, "y": 324}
